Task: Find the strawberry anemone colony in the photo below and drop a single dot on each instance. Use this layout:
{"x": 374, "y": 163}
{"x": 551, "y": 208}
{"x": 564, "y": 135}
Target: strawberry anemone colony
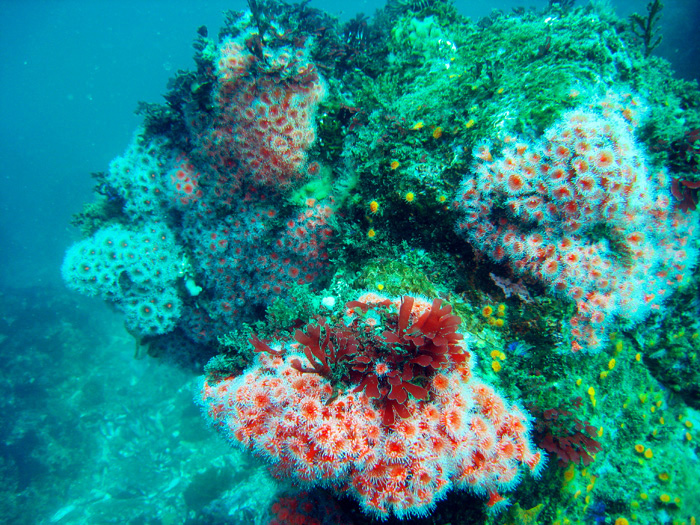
{"x": 382, "y": 406}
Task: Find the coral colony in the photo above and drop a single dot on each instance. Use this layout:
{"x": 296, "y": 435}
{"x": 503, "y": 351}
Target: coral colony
{"x": 416, "y": 424}
{"x": 336, "y": 211}
{"x": 253, "y": 149}
{"x": 586, "y": 173}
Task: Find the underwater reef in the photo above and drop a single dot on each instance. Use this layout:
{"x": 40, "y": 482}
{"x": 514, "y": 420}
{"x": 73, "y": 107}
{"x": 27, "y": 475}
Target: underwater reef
{"x": 434, "y": 270}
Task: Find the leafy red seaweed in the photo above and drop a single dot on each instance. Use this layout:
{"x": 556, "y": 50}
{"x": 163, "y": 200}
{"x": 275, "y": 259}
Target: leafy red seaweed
{"x": 261, "y": 346}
